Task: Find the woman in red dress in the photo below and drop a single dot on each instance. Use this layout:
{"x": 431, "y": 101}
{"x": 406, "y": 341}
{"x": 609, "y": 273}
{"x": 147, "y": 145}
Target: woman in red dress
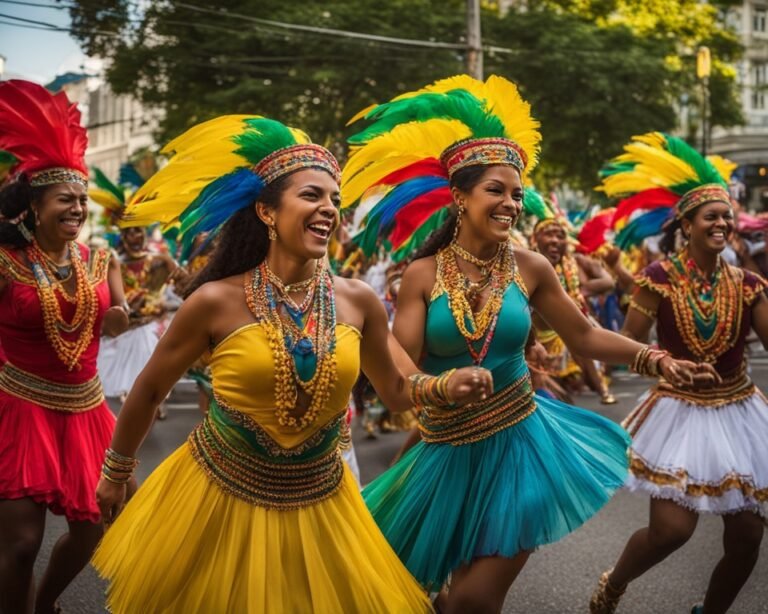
{"x": 55, "y": 298}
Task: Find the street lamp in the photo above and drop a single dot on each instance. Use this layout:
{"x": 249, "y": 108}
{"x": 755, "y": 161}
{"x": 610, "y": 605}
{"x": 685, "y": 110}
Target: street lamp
{"x": 703, "y": 70}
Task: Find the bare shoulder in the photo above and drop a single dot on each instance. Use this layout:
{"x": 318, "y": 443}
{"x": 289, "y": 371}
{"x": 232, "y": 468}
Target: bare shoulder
{"x": 420, "y": 276}
{"x": 353, "y": 289}
{"x": 530, "y": 262}
{"x": 217, "y": 294}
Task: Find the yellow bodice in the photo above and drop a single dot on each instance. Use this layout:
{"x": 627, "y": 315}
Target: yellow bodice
{"x": 243, "y": 377}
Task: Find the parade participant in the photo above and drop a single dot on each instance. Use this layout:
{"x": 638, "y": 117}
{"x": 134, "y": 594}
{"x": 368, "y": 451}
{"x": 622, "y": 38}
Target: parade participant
{"x": 55, "y": 298}
{"x": 145, "y": 275}
{"x": 145, "y": 278}
{"x": 579, "y": 276}
{"x": 694, "y": 450}
{"x": 493, "y": 481}
{"x": 257, "y": 512}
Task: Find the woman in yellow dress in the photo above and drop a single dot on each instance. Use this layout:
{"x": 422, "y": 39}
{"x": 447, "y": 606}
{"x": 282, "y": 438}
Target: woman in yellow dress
{"x": 257, "y": 512}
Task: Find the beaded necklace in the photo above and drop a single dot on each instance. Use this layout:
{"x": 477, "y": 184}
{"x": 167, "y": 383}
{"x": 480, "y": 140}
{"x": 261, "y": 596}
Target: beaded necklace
{"x": 84, "y": 298}
{"x": 568, "y": 272}
{"x": 707, "y": 312}
{"x": 134, "y": 281}
{"x": 297, "y": 336}
{"x": 475, "y": 326}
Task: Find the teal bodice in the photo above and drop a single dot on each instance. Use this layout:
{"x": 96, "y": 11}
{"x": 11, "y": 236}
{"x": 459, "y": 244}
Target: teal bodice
{"x": 446, "y": 348}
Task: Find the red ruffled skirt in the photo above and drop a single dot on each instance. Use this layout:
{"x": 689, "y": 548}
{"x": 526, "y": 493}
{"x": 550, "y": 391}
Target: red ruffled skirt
{"x": 53, "y": 457}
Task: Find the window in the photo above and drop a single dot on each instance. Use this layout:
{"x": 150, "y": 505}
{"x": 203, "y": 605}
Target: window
{"x": 759, "y": 85}
{"x": 759, "y": 19}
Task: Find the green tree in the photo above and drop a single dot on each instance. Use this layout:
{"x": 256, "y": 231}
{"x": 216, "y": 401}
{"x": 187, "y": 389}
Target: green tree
{"x": 596, "y": 71}
{"x": 199, "y": 64}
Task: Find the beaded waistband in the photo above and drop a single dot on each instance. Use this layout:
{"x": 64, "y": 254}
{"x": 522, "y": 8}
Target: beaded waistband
{"x": 70, "y": 398}
{"x": 478, "y": 421}
{"x": 732, "y": 389}
{"x": 259, "y": 479}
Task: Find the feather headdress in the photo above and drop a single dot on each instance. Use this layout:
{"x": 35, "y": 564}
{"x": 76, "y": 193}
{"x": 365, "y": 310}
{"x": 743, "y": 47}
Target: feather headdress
{"x": 413, "y": 144}
{"x": 219, "y": 167}
{"x": 658, "y": 177}
{"x": 42, "y": 132}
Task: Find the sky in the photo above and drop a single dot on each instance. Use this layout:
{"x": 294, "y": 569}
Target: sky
{"x": 37, "y": 55}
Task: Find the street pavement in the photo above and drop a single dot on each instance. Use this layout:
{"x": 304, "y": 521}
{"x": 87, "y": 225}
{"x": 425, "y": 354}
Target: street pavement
{"x": 558, "y": 578}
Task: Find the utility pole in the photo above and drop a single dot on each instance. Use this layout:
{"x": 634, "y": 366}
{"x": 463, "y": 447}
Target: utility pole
{"x": 703, "y": 71}
{"x": 474, "y": 44}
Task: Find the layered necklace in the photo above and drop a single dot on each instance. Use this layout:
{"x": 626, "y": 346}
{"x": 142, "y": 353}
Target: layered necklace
{"x": 303, "y": 332}
{"x": 708, "y": 310}
{"x": 568, "y": 272}
{"x": 463, "y": 293}
{"x": 48, "y": 284}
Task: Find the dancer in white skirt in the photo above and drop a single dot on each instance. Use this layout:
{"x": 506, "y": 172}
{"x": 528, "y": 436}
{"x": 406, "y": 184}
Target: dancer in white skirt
{"x": 145, "y": 275}
{"x": 699, "y": 450}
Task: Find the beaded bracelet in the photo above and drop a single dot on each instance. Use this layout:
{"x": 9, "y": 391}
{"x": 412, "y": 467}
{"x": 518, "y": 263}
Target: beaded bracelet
{"x": 430, "y": 391}
{"x": 117, "y": 468}
{"x": 647, "y": 361}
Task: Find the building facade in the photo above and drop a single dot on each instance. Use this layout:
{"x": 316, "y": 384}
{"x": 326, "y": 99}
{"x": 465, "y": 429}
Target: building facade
{"x": 747, "y": 145}
{"x": 118, "y": 126}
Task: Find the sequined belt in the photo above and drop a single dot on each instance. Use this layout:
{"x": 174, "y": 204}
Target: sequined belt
{"x": 734, "y": 388}
{"x": 478, "y": 421}
{"x": 259, "y": 479}
{"x": 70, "y": 398}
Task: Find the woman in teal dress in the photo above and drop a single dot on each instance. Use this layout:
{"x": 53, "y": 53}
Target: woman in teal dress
{"x": 494, "y": 480}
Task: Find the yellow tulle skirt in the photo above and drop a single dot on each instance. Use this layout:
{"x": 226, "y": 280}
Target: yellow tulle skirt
{"x": 183, "y": 545}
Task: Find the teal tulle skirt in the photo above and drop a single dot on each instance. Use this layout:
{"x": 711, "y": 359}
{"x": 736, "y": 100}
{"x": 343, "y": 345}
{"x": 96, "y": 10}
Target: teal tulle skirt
{"x": 526, "y": 486}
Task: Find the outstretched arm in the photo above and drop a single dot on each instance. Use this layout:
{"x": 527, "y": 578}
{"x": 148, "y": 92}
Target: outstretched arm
{"x": 554, "y": 305}
{"x": 185, "y": 341}
{"x": 388, "y": 366}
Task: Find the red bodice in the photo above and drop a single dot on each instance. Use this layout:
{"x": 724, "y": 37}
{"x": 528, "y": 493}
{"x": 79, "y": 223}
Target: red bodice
{"x": 22, "y": 333}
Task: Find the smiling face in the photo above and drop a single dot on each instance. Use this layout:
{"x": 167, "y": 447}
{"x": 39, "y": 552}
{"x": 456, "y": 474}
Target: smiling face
{"x": 711, "y": 226}
{"x": 492, "y": 205}
{"x": 307, "y": 214}
{"x": 551, "y": 241}
{"x": 60, "y": 212}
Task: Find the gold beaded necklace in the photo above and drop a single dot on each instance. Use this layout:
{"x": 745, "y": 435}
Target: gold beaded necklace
{"x": 484, "y": 266}
{"x": 285, "y": 337}
{"x": 84, "y": 298}
{"x": 475, "y": 325}
{"x": 708, "y": 312}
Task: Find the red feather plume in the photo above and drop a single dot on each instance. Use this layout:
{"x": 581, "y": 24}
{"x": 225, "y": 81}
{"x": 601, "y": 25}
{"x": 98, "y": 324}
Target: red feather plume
{"x": 592, "y": 234}
{"x": 427, "y": 167}
{"x": 416, "y": 212}
{"x": 41, "y": 129}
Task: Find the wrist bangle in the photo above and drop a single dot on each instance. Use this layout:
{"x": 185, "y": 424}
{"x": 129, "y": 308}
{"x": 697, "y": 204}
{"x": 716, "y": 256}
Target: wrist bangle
{"x": 647, "y": 360}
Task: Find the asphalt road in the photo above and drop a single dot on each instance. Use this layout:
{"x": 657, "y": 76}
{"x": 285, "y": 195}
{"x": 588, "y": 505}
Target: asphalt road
{"x": 558, "y": 579}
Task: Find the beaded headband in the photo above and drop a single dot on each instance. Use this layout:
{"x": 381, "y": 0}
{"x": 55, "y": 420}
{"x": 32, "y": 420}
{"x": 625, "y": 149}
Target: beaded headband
{"x": 547, "y": 222}
{"x": 51, "y": 176}
{"x": 483, "y": 152}
{"x": 708, "y": 193}
{"x": 294, "y": 158}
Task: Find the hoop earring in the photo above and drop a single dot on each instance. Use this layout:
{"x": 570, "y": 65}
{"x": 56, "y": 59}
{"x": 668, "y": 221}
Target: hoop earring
{"x": 272, "y": 233}
{"x": 458, "y": 222}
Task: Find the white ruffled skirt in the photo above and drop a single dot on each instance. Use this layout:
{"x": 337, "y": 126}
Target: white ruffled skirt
{"x": 122, "y": 358}
{"x": 706, "y": 458}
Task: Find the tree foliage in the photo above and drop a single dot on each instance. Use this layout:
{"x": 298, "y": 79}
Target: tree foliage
{"x": 596, "y": 71}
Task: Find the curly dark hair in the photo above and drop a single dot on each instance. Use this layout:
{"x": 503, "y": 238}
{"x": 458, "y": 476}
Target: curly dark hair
{"x": 465, "y": 180}
{"x": 668, "y": 241}
{"x": 15, "y": 198}
{"x": 243, "y": 241}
